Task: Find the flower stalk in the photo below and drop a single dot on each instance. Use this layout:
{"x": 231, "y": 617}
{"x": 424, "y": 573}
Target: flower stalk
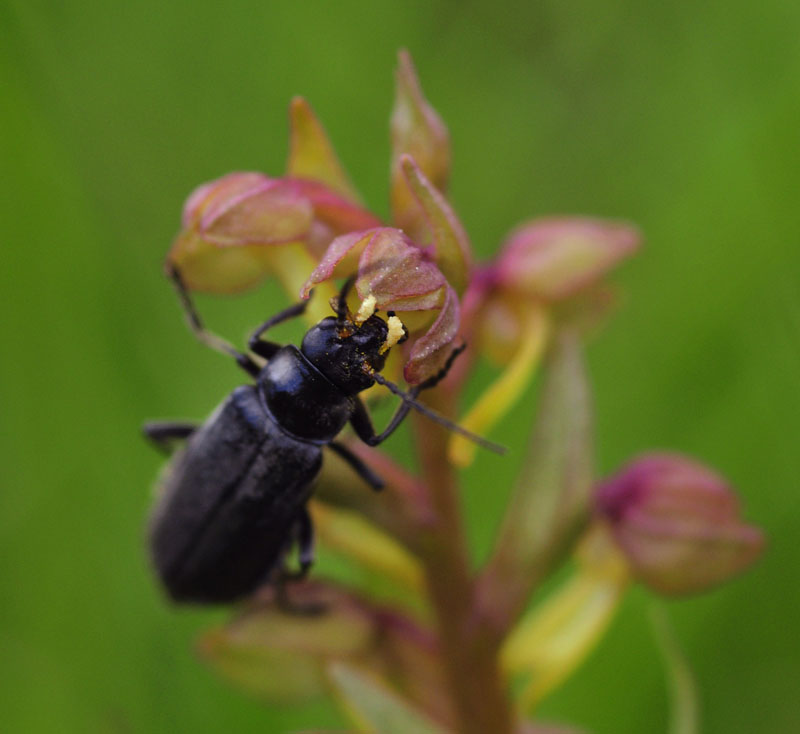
{"x": 471, "y": 662}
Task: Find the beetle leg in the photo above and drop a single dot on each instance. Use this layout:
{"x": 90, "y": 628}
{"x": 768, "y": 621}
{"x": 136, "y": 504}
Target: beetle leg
{"x": 303, "y": 534}
{"x": 362, "y": 423}
{"x": 305, "y": 541}
{"x": 164, "y": 433}
{"x": 358, "y": 466}
{"x": 265, "y": 348}
{"x": 209, "y": 338}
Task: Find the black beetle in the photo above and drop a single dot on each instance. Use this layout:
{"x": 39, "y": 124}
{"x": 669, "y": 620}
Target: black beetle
{"x": 233, "y": 501}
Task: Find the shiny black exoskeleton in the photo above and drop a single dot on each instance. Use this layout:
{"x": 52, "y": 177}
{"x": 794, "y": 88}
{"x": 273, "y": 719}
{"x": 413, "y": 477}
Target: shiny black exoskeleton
{"x": 234, "y": 500}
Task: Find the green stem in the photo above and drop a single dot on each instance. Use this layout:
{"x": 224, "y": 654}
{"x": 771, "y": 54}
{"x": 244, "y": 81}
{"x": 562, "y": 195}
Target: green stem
{"x": 470, "y": 657}
{"x": 684, "y": 707}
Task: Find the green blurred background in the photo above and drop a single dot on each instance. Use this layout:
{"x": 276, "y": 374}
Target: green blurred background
{"x": 682, "y": 116}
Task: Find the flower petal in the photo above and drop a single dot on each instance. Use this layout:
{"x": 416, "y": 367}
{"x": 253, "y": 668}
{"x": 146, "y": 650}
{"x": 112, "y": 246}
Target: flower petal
{"x": 334, "y": 256}
{"x": 349, "y": 533}
{"x": 394, "y": 274}
{"x": 504, "y": 392}
{"x": 270, "y": 213}
{"x": 311, "y": 155}
{"x": 228, "y": 222}
{"x": 398, "y": 273}
{"x": 431, "y": 351}
{"x": 237, "y": 229}
{"x": 558, "y": 634}
{"x": 416, "y": 130}
{"x": 220, "y": 189}
{"x": 451, "y": 246}
{"x": 333, "y": 215}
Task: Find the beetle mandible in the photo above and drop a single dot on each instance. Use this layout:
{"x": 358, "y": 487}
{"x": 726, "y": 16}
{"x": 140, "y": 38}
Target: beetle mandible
{"x": 234, "y": 500}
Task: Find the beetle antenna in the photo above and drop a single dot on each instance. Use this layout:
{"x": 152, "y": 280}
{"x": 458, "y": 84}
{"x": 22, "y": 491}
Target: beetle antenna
{"x": 341, "y": 304}
{"x": 437, "y": 417}
{"x": 209, "y": 338}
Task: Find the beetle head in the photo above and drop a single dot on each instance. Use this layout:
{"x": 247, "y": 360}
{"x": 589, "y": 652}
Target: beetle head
{"x": 347, "y": 352}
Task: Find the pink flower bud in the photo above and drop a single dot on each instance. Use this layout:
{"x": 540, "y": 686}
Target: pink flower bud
{"x": 231, "y": 227}
{"x": 678, "y": 523}
{"x": 553, "y": 259}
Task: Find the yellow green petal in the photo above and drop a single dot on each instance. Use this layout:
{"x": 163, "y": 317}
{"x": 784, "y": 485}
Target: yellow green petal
{"x": 556, "y": 636}
{"x": 504, "y": 392}
{"x": 349, "y": 533}
{"x": 291, "y": 266}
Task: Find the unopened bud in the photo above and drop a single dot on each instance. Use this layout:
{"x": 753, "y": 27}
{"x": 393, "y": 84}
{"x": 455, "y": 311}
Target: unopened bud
{"x": 243, "y": 226}
{"x": 230, "y": 227}
{"x": 678, "y": 523}
{"x": 553, "y": 259}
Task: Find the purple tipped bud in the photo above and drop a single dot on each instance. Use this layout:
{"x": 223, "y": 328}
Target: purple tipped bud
{"x": 678, "y": 523}
{"x": 553, "y": 259}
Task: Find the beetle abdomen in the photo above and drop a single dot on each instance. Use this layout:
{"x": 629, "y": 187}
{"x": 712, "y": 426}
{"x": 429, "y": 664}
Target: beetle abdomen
{"x": 230, "y": 503}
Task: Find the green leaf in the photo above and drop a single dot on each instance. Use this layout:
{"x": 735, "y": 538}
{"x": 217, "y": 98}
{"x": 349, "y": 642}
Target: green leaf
{"x": 550, "y": 503}
{"x": 373, "y": 706}
{"x": 280, "y": 656}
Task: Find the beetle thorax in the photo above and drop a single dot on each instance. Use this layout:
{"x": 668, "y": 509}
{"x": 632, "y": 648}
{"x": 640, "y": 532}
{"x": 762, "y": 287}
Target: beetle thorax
{"x": 300, "y": 399}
